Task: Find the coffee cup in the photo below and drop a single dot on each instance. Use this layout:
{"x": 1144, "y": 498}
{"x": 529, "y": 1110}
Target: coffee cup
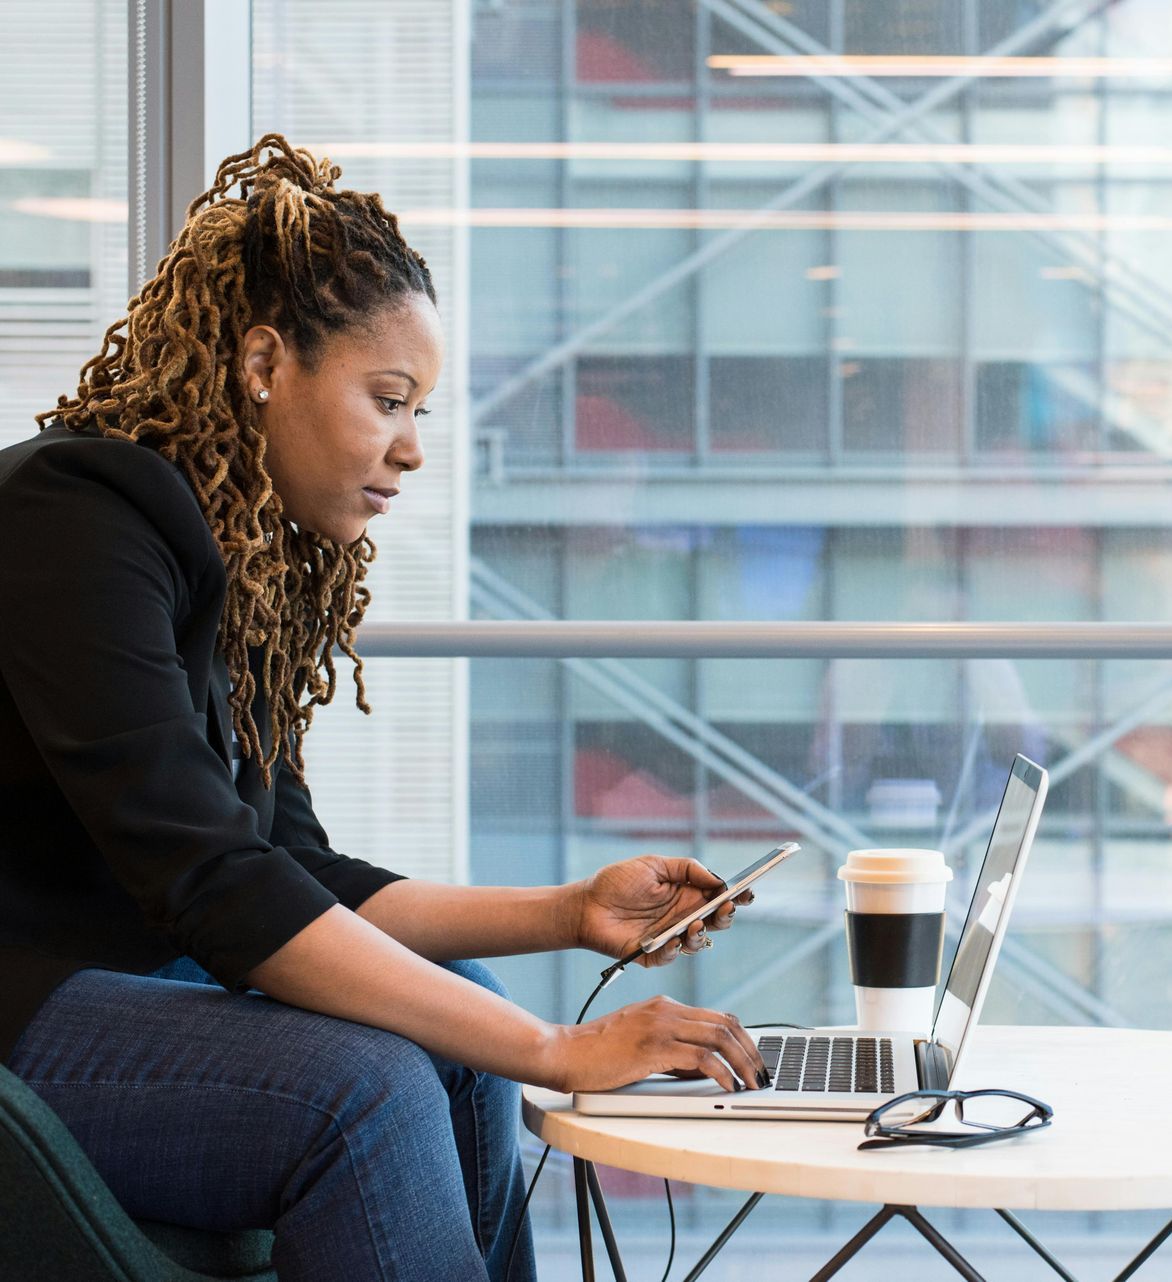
{"x": 895, "y": 935}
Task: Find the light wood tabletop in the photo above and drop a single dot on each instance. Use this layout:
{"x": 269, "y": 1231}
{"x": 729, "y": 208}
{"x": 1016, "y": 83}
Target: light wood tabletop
{"x": 1109, "y": 1147}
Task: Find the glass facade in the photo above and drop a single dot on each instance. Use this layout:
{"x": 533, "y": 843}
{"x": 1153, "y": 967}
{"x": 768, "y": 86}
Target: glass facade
{"x": 932, "y": 383}
{"x": 850, "y": 347}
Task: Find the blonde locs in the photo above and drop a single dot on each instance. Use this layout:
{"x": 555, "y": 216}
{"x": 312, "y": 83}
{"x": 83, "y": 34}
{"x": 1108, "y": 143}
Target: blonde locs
{"x": 293, "y": 252}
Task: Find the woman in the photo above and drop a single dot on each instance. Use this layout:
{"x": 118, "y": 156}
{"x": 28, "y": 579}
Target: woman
{"x": 241, "y": 1026}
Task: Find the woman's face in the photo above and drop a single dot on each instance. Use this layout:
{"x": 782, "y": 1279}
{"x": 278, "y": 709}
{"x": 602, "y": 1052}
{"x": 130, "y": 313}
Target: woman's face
{"x": 339, "y": 437}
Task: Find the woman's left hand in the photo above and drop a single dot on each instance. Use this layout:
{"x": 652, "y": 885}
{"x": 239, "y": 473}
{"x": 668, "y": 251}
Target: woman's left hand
{"x": 625, "y": 902}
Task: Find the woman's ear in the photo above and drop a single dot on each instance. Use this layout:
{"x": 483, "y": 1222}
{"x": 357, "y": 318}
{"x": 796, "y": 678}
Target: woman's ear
{"x": 263, "y": 351}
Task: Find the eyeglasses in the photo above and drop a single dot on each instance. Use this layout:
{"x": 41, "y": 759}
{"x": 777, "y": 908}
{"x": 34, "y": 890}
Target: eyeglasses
{"x": 982, "y": 1113}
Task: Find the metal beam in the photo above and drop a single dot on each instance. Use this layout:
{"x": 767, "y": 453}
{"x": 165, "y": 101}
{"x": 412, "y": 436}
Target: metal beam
{"x": 190, "y": 103}
{"x": 875, "y": 102}
{"x": 149, "y": 136}
{"x": 654, "y": 638}
{"x": 621, "y": 491}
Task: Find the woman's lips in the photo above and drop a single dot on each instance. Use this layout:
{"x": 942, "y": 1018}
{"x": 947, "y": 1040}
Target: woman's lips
{"x": 379, "y": 500}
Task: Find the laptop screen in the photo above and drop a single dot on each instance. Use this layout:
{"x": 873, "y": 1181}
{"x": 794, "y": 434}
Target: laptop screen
{"x": 1004, "y": 860}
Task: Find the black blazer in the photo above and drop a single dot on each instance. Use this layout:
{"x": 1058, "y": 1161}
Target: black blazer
{"x": 124, "y": 841}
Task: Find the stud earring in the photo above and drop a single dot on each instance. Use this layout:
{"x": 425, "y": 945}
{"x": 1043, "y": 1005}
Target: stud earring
{"x": 263, "y": 394}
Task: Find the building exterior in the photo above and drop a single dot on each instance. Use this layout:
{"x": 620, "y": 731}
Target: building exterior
{"x": 934, "y": 387}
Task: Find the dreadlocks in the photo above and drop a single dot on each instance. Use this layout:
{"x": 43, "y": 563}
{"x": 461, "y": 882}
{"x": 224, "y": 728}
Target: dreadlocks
{"x": 292, "y": 252}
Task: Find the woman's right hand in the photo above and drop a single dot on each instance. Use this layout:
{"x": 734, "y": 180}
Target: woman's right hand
{"x": 658, "y": 1035}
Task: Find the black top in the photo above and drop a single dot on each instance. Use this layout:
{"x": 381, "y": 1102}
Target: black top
{"x": 124, "y": 842}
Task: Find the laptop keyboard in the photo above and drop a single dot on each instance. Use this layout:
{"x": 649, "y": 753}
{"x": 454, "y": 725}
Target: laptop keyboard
{"x": 801, "y": 1063}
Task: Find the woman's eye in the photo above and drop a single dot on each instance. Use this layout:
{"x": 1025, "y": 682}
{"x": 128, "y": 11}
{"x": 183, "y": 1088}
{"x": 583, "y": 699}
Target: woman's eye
{"x": 391, "y": 405}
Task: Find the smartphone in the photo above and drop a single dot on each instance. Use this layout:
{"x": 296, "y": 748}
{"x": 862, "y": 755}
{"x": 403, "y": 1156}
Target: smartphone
{"x": 746, "y": 877}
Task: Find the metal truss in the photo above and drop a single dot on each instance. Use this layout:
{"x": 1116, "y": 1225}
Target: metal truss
{"x": 1119, "y": 279}
{"x": 1059, "y": 16}
{"x": 875, "y": 102}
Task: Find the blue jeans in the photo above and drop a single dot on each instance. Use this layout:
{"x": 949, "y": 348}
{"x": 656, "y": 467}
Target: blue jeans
{"x": 371, "y": 1158}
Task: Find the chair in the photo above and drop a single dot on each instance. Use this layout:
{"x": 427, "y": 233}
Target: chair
{"x": 60, "y": 1223}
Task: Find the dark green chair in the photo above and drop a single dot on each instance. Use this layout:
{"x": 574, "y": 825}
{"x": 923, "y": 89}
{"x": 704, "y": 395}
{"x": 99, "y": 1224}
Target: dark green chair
{"x": 60, "y": 1223}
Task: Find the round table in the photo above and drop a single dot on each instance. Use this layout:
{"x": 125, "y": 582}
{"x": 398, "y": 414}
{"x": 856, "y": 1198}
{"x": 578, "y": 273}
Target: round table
{"x": 1109, "y": 1148}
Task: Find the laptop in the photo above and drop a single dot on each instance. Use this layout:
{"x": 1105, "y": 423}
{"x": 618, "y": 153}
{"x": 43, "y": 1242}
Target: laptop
{"x": 825, "y": 1074}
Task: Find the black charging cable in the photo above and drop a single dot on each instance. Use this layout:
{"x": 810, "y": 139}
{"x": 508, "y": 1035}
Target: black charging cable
{"x": 609, "y": 975}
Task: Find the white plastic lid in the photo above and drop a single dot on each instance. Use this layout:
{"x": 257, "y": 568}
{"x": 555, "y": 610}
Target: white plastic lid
{"x": 895, "y": 866}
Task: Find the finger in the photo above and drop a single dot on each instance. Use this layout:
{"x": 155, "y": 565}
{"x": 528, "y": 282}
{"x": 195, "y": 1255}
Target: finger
{"x": 691, "y": 872}
{"x": 693, "y": 941}
{"x": 745, "y": 897}
{"x": 708, "y": 1064}
{"x": 721, "y": 919}
{"x": 664, "y": 955}
{"x": 696, "y": 939}
{"x": 745, "y": 1042}
{"x": 718, "y": 1036}
{"x": 744, "y": 1056}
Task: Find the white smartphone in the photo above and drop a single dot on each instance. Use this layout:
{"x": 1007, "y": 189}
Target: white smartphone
{"x": 734, "y": 886}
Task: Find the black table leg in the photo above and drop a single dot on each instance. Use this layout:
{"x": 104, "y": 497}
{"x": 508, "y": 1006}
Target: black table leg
{"x": 583, "y": 1198}
{"x": 1028, "y": 1238}
{"x": 917, "y": 1221}
{"x": 587, "y": 1189}
{"x": 852, "y": 1248}
{"x": 1152, "y": 1247}
{"x": 612, "y": 1247}
{"x": 729, "y": 1229}
{"x": 941, "y": 1243}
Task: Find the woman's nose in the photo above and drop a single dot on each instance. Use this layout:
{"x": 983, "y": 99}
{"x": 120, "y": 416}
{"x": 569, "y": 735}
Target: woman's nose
{"x": 407, "y": 450}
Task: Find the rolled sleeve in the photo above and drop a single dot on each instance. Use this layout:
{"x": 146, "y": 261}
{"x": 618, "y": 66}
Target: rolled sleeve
{"x": 296, "y": 827}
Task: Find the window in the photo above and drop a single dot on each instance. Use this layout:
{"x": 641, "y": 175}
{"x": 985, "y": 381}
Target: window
{"x": 63, "y": 198}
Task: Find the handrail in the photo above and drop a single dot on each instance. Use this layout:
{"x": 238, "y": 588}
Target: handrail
{"x": 654, "y": 639}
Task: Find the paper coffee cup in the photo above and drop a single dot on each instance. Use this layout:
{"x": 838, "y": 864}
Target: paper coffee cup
{"x": 895, "y": 934}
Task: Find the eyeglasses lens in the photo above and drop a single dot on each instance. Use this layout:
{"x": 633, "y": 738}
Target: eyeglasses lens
{"x": 992, "y": 1112}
